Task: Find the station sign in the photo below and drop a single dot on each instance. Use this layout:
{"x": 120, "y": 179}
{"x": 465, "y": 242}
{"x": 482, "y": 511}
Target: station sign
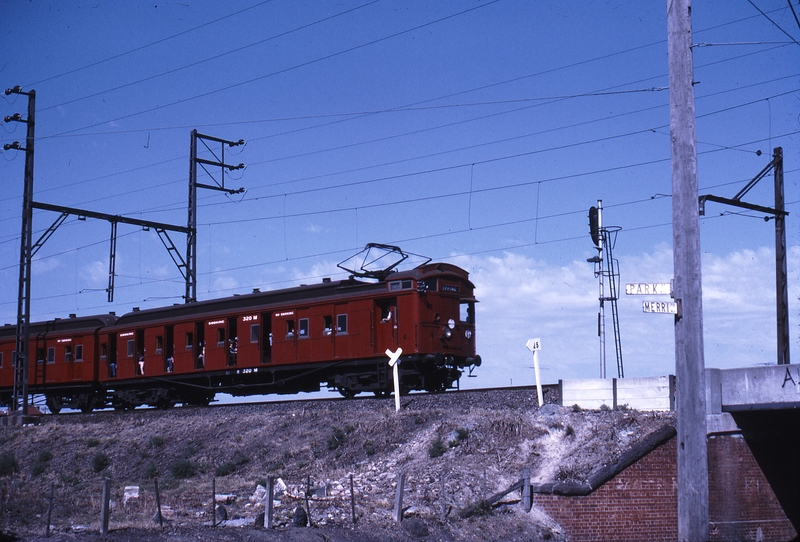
{"x": 660, "y": 307}
{"x": 649, "y": 288}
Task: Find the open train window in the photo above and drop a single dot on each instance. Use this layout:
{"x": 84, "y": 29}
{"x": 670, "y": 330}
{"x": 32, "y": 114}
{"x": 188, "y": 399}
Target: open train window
{"x": 327, "y": 324}
{"x": 303, "y": 328}
{"x": 467, "y": 312}
{"x": 254, "y": 331}
{"x": 78, "y": 352}
{"x": 341, "y": 323}
{"x": 427, "y": 285}
{"x": 289, "y": 329}
{"x": 189, "y": 340}
{"x": 159, "y": 344}
{"x": 220, "y": 336}
{"x": 51, "y": 354}
{"x": 68, "y": 354}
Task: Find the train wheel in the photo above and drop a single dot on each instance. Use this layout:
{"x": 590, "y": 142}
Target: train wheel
{"x": 88, "y": 406}
{"x": 53, "y": 403}
{"x": 347, "y": 393}
{"x": 381, "y": 394}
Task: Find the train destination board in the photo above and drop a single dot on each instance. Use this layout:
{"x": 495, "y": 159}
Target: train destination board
{"x": 662, "y": 307}
{"x": 649, "y": 288}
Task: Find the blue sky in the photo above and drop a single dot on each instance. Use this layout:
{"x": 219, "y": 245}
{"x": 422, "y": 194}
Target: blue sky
{"x": 473, "y": 132}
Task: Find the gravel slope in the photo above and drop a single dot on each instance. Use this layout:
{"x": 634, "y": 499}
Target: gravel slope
{"x": 478, "y": 441}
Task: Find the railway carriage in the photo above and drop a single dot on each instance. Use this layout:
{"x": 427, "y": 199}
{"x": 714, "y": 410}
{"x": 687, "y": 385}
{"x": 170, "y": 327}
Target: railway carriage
{"x": 332, "y": 334}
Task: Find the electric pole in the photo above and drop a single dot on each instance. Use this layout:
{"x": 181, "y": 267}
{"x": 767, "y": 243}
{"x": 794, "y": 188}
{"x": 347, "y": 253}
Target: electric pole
{"x": 690, "y": 399}
{"x": 21, "y": 354}
{"x": 191, "y": 237}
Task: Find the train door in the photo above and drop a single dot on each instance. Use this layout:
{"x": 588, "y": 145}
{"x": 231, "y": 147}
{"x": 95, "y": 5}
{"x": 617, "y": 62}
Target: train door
{"x": 199, "y": 345}
{"x": 385, "y": 324}
{"x": 169, "y": 349}
{"x": 341, "y": 331}
{"x": 139, "y": 351}
{"x": 69, "y": 361}
{"x": 40, "y": 374}
{"x": 322, "y": 326}
{"x": 265, "y": 331}
{"x": 108, "y": 356}
{"x": 232, "y": 345}
{"x": 304, "y": 349}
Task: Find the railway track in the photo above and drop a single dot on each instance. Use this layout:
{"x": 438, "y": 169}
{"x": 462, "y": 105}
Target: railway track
{"x": 550, "y": 392}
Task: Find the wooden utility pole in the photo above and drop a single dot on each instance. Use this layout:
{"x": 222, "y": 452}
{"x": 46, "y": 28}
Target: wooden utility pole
{"x": 688, "y": 288}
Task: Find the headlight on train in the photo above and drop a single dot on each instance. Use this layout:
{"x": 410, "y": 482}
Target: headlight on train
{"x": 468, "y": 334}
{"x": 447, "y": 332}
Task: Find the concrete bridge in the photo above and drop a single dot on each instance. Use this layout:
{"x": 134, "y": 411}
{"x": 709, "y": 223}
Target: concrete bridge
{"x": 763, "y": 403}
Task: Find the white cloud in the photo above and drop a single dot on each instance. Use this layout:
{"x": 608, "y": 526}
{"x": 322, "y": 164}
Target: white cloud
{"x": 521, "y": 298}
{"x": 41, "y": 267}
{"x": 95, "y": 273}
{"x": 225, "y": 283}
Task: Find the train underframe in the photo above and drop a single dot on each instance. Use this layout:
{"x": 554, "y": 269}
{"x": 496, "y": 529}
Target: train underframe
{"x": 430, "y": 373}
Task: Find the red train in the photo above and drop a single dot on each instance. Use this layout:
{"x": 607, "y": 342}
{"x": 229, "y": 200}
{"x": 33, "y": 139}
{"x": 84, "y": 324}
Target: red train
{"x": 332, "y": 334}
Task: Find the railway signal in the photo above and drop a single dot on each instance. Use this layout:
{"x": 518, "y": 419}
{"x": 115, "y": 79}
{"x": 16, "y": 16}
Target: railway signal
{"x": 605, "y": 267}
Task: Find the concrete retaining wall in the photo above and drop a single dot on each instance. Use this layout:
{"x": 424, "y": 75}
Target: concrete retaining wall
{"x": 654, "y": 393}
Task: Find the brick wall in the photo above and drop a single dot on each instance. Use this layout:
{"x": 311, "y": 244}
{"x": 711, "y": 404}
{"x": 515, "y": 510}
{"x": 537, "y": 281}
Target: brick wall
{"x": 741, "y": 503}
{"x": 640, "y": 503}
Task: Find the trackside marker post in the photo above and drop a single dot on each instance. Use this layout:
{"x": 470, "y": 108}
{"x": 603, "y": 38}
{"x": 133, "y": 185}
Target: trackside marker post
{"x": 394, "y": 361}
{"x": 534, "y": 345}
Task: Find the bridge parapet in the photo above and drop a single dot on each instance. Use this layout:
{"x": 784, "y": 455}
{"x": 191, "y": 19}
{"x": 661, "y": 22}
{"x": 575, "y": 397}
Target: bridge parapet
{"x": 771, "y": 387}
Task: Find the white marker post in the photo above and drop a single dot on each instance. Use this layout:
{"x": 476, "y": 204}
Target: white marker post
{"x": 394, "y": 362}
{"x": 534, "y": 345}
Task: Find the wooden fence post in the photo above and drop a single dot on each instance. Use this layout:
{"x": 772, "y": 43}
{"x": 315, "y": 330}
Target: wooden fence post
{"x": 268, "y": 510}
{"x": 527, "y": 498}
{"x": 158, "y": 504}
{"x": 50, "y": 507}
{"x": 105, "y": 509}
{"x": 398, "y": 498}
{"x": 308, "y": 504}
{"x": 214, "y": 501}
{"x": 444, "y": 499}
{"x": 352, "y": 501}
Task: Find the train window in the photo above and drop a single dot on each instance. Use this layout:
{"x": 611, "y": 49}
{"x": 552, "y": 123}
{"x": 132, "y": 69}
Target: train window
{"x": 467, "y": 312}
{"x": 303, "y": 329}
{"x": 67, "y": 354}
{"x": 289, "y": 329}
{"x": 189, "y": 340}
{"x": 1, "y": 359}
{"x": 341, "y": 323}
{"x": 254, "y": 331}
{"x": 78, "y": 352}
{"x": 159, "y": 344}
{"x": 400, "y": 285}
{"x": 427, "y": 285}
{"x": 51, "y": 354}
{"x": 129, "y": 350}
{"x": 40, "y": 355}
{"x": 103, "y": 350}
{"x": 327, "y": 324}
{"x": 220, "y": 336}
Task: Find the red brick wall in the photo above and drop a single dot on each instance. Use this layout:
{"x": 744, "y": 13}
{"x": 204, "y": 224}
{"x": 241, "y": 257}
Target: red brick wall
{"x": 741, "y": 504}
{"x": 640, "y": 504}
